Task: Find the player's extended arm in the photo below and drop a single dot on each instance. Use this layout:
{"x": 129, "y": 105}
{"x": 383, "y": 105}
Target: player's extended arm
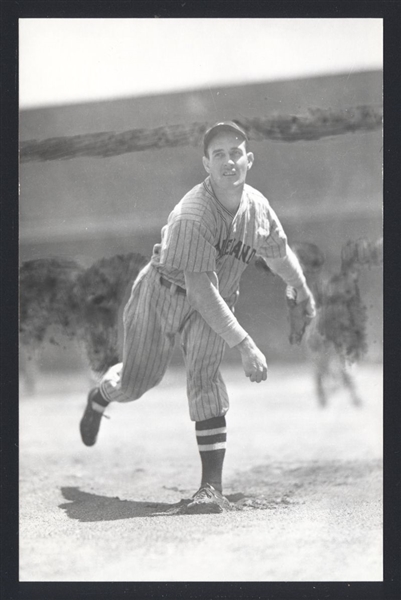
{"x": 290, "y": 271}
{"x": 203, "y": 295}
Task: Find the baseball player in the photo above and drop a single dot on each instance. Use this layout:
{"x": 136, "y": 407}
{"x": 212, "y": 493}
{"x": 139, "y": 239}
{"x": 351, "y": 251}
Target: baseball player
{"x": 190, "y": 288}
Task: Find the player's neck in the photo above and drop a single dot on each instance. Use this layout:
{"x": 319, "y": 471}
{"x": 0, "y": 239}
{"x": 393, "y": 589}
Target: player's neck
{"x": 230, "y": 199}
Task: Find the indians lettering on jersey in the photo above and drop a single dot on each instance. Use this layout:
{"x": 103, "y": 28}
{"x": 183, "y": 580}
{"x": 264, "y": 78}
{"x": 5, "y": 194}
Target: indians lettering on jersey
{"x": 236, "y": 248}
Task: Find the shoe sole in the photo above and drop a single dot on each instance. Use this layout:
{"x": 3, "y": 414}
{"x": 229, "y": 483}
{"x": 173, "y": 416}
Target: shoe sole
{"x": 91, "y": 441}
{"x": 87, "y": 442}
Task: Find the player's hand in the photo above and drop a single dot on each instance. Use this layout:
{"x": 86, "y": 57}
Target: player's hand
{"x": 304, "y": 296}
{"x": 301, "y": 311}
{"x": 253, "y": 361}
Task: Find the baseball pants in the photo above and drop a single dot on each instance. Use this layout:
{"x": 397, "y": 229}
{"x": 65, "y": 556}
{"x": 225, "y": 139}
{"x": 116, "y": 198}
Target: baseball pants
{"x": 153, "y": 317}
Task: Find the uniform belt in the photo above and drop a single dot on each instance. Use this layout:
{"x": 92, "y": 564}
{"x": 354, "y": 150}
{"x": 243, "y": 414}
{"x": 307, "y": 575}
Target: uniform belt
{"x": 168, "y": 284}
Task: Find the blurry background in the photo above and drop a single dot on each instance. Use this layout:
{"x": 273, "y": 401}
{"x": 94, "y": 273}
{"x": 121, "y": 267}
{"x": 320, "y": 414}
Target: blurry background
{"x": 83, "y": 76}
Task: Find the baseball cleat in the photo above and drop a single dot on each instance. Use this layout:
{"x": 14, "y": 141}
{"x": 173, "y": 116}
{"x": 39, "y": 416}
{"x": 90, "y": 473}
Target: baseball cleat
{"x": 208, "y": 500}
{"x": 90, "y": 422}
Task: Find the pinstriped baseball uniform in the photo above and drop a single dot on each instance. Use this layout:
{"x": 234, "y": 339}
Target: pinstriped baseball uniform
{"x": 200, "y": 236}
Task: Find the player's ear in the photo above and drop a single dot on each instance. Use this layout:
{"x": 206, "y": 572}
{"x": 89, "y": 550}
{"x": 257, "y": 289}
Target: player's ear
{"x": 251, "y": 158}
{"x": 205, "y": 161}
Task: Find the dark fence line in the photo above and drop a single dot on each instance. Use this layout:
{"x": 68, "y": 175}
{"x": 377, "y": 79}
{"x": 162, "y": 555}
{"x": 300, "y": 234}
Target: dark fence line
{"x": 316, "y": 124}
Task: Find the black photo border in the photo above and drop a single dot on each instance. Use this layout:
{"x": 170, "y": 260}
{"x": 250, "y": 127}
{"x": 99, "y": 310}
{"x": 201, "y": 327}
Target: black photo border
{"x": 10, "y": 587}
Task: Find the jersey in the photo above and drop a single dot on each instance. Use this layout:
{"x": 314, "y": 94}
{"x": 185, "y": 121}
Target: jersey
{"x": 202, "y": 235}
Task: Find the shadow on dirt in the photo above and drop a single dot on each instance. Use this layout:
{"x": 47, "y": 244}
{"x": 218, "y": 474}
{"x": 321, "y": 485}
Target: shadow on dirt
{"x": 84, "y": 506}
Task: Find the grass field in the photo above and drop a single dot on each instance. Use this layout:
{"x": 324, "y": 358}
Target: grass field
{"x": 313, "y": 477}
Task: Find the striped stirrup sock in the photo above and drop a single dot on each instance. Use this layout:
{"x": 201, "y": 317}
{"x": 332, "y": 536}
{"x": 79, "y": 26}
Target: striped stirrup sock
{"x": 99, "y": 404}
{"x": 211, "y": 436}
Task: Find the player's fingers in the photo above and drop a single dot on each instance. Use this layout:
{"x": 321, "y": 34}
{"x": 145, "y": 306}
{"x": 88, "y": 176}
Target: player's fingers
{"x": 254, "y": 376}
{"x": 258, "y": 376}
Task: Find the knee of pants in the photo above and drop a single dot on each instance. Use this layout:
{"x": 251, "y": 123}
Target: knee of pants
{"x": 133, "y": 390}
{"x": 202, "y": 411}
{"x": 206, "y": 402}
{"x": 118, "y": 386}
{"x": 127, "y": 395}
{"x": 115, "y": 389}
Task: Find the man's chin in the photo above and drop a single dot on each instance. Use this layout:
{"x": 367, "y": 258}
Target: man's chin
{"x": 231, "y": 182}
{"x": 226, "y": 183}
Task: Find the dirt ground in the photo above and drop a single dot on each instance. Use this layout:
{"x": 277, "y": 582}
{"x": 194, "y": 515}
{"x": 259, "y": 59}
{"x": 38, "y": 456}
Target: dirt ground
{"x": 313, "y": 478}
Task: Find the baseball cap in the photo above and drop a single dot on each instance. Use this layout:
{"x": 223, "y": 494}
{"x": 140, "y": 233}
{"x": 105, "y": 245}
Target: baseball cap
{"x": 221, "y": 126}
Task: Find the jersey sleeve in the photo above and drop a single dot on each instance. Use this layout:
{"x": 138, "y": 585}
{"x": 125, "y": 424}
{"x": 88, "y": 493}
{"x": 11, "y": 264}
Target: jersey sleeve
{"x": 187, "y": 245}
{"x": 278, "y": 255}
{"x": 274, "y": 243}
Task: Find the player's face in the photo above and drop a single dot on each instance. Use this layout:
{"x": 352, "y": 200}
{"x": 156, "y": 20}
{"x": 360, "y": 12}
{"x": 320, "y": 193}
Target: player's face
{"x": 228, "y": 161}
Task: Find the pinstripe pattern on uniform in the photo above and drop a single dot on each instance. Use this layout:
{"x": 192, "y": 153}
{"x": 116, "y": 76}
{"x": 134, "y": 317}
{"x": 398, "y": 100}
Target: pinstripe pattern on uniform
{"x": 204, "y": 350}
{"x": 178, "y": 249}
{"x": 147, "y": 373}
{"x": 139, "y": 337}
{"x": 200, "y": 236}
{"x": 152, "y": 320}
